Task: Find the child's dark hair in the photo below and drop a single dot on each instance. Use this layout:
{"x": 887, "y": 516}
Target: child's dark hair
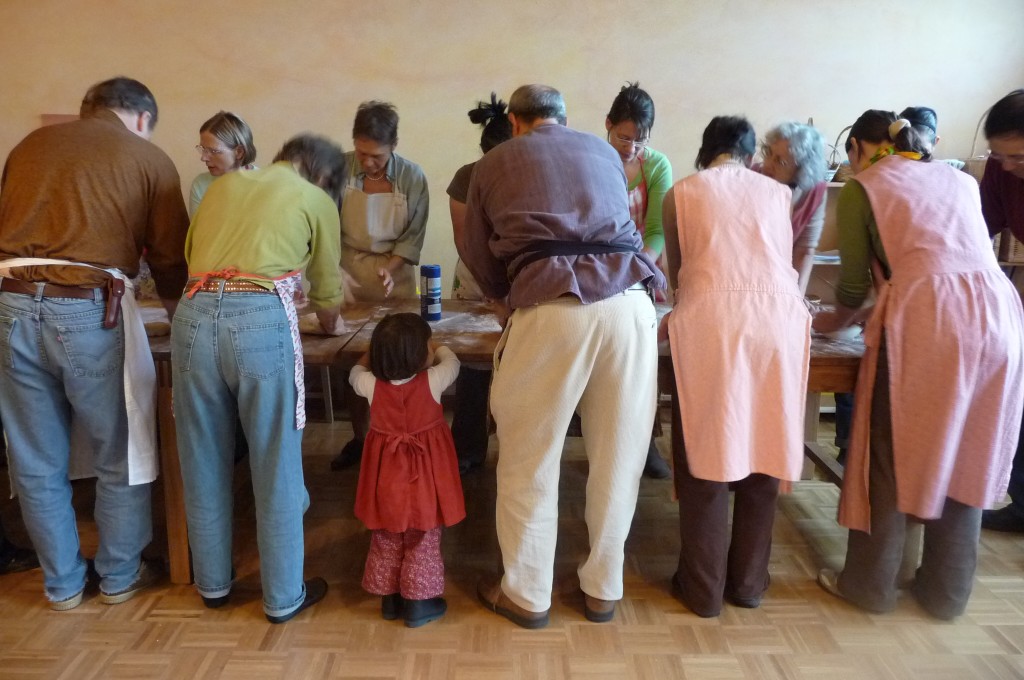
{"x": 493, "y": 117}
{"x": 398, "y": 346}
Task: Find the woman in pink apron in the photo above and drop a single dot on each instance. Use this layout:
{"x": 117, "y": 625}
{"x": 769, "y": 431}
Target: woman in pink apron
{"x": 648, "y": 177}
{"x": 383, "y": 222}
{"x": 740, "y": 340}
{"x": 939, "y": 394}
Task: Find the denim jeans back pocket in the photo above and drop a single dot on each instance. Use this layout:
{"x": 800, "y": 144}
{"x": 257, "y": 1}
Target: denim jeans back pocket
{"x": 6, "y": 330}
{"x": 92, "y": 350}
{"x": 183, "y": 339}
{"x": 260, "y": 349}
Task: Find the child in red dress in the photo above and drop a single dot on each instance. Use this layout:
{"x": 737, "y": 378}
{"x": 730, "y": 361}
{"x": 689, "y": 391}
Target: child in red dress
{"x": 409, "y": 480}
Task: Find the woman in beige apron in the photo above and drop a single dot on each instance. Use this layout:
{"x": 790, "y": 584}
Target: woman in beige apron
{"x": 384, "y": 210}
{"x": 383, "y": 222}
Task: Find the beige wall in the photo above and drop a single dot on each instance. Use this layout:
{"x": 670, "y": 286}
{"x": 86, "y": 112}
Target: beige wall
{"x": 289, "y": 67}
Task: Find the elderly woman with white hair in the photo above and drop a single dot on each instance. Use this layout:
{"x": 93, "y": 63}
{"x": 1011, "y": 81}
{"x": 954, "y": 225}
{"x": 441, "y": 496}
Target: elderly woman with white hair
{"x": 794, "y": 154}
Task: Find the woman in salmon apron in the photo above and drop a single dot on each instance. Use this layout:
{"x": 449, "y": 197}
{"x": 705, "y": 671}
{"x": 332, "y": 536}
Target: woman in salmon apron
{"x": 383, "y": 222}
{"x": 939, "y": 394}
{"x": 737, "y": 334}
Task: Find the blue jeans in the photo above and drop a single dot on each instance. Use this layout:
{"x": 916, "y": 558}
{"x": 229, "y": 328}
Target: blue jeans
{"x": 232, "y": 359}
{"x": 57, "y": 362}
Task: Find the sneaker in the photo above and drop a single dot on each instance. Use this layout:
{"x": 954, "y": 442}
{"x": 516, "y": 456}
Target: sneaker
{"x": 147, "y": 576}
{"x": 67, "y": 603}
{"x": 1009, "y": 519}
{"x": 351, "y": 454}
{"x": 316, "y": 588}
{"x": 420, "y": 612}
{"x": 828, "y": 579}
{"x": 656, "y": 467}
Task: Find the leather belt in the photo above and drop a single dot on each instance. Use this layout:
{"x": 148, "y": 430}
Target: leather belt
{"x": 50, "y": 290}
{"x": 216, "y": 285}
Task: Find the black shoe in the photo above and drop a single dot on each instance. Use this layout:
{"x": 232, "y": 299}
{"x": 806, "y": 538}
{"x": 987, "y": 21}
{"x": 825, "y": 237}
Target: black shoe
{"x": 467, "y": 466}
{"x": 1009, "y": 519}
{"x": 419, "y": 612}
{"x": 217, "y": 602}
{"x": 749, "y": 602}
{"x": 656, "y": 467}
{"x": 391, "y": 606}
{"x": 14, "y": 559}
{"x": 316, "y": 588}
{"x": 677, "y": 592}
{"x": 841, "y": 457}
{"x": 351, "y": 454}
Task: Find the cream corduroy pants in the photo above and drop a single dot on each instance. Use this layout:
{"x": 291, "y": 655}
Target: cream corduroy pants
{"x": 555, "y": 357}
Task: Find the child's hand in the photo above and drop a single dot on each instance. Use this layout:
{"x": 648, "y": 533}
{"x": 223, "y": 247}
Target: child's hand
{"x": 364, "y": 360}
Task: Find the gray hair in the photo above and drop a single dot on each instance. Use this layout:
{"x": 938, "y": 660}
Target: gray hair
{"x": 807, "y": 147}
{"x": 533, "y": 102}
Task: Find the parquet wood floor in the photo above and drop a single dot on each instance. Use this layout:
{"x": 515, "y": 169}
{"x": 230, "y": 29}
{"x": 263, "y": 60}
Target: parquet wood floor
{"x": 798, "y": 633}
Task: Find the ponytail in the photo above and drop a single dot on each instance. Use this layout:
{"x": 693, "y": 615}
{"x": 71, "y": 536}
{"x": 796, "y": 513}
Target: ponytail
{"x": 906, "y": 139}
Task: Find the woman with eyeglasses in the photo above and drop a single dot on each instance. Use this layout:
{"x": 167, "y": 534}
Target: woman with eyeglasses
{"x": 225, "y": 145}
{"x": 1002, "y": 203}
{"x": 648, "y": 176}
{"x": 648, "y": 172}
{"x": 794, "y": 154}
{"x": 941, "y": 385}
{"x": 737, "y": 334}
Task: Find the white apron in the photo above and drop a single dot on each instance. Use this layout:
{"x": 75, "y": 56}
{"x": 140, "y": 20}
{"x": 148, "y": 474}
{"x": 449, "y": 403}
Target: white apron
{"x": 139, "y": 387}
{"x": 370, "y": 225}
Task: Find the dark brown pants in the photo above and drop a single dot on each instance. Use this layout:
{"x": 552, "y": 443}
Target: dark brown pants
{"x": 711, "y": 566}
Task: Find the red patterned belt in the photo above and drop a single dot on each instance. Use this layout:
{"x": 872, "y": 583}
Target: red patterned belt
{"x": 229, "y": 286}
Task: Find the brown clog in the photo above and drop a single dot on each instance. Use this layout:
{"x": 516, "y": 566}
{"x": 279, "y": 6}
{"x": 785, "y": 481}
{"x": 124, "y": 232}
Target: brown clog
{"x": 494, "y": 598}
{"x": 597, "y": 610}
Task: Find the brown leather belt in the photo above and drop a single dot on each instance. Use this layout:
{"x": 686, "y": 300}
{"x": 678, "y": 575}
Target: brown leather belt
{"x": 50, "y": 290}
{"x": 214, "y": 286}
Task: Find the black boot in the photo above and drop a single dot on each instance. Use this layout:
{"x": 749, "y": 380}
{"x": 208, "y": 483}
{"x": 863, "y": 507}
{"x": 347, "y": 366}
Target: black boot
{"x": 656, "y": 467}
{"x": 419, "y": 612}
{"x": 351, "y": 454}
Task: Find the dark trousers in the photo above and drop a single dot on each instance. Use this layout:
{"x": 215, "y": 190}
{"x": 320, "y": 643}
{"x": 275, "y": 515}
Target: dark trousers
{"x": 711, "y": 566}
{"x": 870, "y": 578}
{"x": 1016, "y": 488}
{"x": 469, "y": 421}
{"x": 844, "y": 418}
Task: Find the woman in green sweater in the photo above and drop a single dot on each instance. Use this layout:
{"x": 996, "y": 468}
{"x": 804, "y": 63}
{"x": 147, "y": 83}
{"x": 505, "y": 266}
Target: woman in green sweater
{"x": 648, "y": 177}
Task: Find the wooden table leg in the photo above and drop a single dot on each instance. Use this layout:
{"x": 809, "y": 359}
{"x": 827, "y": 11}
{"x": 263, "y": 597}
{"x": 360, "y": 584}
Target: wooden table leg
{"x": 814, "y": 453}
{"x": 170, "y": 471}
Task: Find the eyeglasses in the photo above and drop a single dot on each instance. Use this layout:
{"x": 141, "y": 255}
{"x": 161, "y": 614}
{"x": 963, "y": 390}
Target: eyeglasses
{"x": 767, "y": 154}
{"x": 206, "y": 149}
{"x": 626, "y": 141}
{"x": 1011, "y": 159}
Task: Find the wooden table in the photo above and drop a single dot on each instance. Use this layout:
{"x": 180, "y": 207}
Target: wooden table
{"x": 471, "y": 330}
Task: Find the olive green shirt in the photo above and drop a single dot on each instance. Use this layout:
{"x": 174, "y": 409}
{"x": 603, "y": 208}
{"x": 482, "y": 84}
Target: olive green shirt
{"x": 267, "y": 223}
{"x": 859, "y": 242}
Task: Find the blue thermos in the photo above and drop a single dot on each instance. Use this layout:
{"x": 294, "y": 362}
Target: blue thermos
{"x": 430, "y": 292}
